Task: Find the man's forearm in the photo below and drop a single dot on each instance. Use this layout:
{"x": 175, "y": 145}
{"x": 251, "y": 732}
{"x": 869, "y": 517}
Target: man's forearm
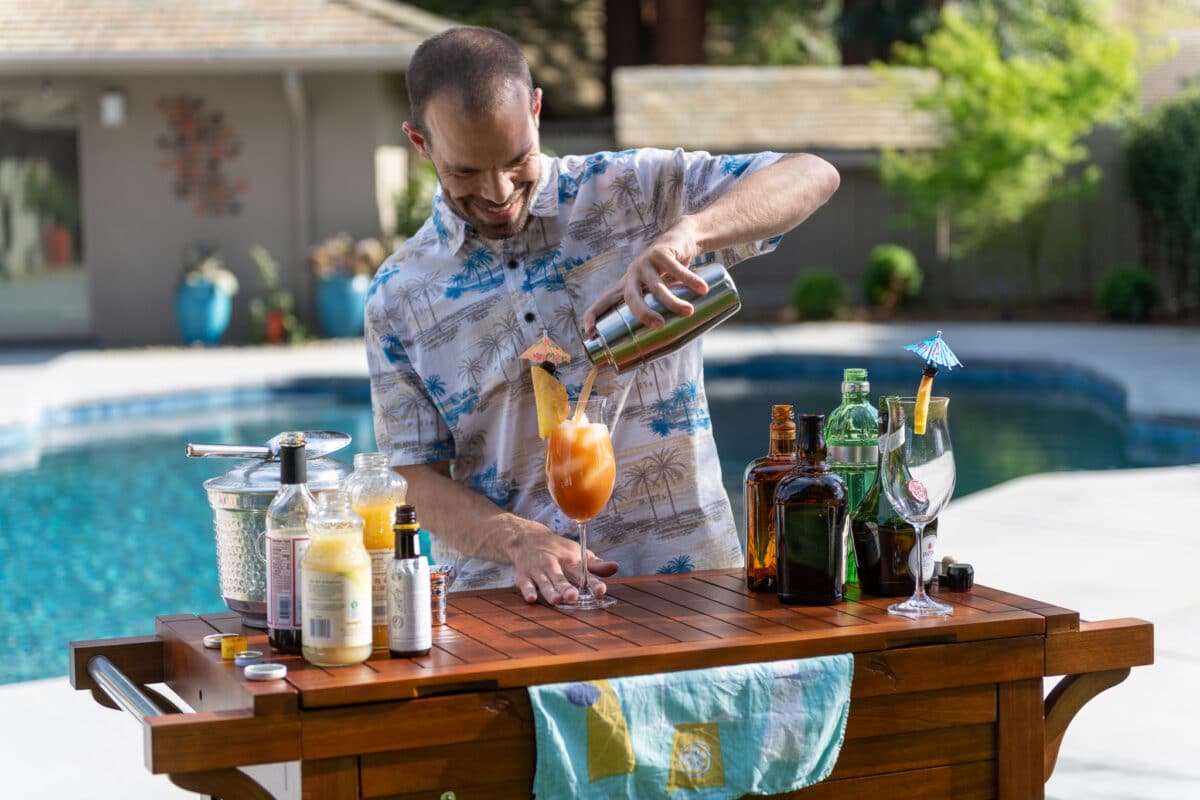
{"x": 768, "y": 202}
{"x": 463, "y": 519}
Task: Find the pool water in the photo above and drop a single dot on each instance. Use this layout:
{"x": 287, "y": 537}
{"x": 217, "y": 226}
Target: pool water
{"x": 109, "y": 526}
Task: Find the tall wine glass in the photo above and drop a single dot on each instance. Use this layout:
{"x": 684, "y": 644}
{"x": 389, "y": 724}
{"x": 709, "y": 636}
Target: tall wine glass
{"x": 918, "y": 478}
{"x": 580, "y": 472}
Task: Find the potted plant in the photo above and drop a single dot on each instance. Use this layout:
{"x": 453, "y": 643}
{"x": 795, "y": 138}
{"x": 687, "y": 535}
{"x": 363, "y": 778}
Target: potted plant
{"x": 204, "y": 297}
{"x": 273, "y": 313}
{"x": 56, "y": 203}
{"x": 343, "y": 268}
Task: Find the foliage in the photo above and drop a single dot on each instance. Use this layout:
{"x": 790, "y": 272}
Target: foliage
{"x": 342, "y": 256}
{"x": 867, "y": 29}
{"x": 415, "y": 204}
{"x": 273, "y": 301}
{"x": 51, "y": 196}
{"x": 773, "y": 32}
{"x": 203, "y": 264}
{"x": 1013, "y": 115}
{"x": 1127, "y": 294}
{"x": 818, "y": 294}
{"x": 892, "y": 275}
{"x": 1162, "y": 173}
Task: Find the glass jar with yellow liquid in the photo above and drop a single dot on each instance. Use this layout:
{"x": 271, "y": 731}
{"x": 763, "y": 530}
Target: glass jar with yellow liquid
{"x": 336, "y": 586}
{"x": 375, "y": 490}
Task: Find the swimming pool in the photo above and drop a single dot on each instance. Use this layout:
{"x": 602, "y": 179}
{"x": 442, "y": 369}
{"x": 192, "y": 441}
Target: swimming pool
{"x": 107, "y": 525}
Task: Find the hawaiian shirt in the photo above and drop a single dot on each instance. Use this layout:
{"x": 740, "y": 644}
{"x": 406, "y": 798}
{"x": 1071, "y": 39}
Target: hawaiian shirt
{"x": 449, "y": 314}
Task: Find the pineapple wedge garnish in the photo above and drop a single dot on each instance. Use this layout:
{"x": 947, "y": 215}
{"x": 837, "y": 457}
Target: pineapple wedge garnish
{"x": 551, "y": 397}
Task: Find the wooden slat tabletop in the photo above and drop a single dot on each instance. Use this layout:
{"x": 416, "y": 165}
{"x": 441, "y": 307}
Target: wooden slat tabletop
{"x": 494, "y": 640}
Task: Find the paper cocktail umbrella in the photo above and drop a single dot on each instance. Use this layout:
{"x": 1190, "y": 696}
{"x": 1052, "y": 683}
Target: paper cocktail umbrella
{"x": 545, "y": 350}
{"x": 936, "y": 354}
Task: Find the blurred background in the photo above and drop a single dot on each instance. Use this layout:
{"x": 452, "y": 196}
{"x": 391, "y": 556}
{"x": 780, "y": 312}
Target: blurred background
{"x": 1011, "y": 159}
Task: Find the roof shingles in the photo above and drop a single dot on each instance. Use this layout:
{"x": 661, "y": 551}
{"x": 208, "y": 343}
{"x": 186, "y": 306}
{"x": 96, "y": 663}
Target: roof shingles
{"x": 75, "y": 28}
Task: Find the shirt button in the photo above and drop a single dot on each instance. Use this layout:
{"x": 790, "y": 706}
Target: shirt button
{"x": 529, "y": 317}
{"x": 512, "y": 263}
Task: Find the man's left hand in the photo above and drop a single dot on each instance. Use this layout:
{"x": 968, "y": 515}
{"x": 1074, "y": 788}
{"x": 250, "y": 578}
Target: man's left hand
{"x": 665, "y": 262}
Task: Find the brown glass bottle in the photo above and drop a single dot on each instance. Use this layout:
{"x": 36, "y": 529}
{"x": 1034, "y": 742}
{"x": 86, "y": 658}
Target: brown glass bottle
{"x": 810, "y": 522}
{"x": 761, "y": 476}
{"x": 883, "y": 542}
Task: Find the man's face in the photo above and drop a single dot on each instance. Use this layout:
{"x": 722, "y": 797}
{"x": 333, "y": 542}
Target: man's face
{"x": 489, "y": 165}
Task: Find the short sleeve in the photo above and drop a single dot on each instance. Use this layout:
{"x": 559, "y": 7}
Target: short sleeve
{"x": 408, "y": 424}
{"x": 706, "y": 177}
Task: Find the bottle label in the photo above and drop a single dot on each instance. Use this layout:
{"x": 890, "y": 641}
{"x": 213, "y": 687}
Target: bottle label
{"x": 285, "y": 551}
{"x": 929, "y": 545}
{"x": 379, "y": 564}
{"x": 410, "y": 624}
{"x": 337, "y": 608}
{"x": 852, "y": 454}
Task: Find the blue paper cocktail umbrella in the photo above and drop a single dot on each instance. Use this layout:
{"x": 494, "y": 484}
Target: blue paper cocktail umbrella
{"x": 937, "y": 354}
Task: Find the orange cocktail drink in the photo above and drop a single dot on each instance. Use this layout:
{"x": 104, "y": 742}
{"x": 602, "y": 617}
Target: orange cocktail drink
{"x": 580, "y": 470}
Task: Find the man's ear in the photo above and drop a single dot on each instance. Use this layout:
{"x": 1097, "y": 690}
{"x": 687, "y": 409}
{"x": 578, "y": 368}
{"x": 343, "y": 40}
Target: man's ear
{"x": 417, "y": 138}
{"x": 537, "y": 107}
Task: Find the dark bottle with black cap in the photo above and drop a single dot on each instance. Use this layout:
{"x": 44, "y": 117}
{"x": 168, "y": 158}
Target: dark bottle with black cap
{"x": 286, "y": 541}
{"x": 410, "y": 625}
{"x": 810, "y": 523}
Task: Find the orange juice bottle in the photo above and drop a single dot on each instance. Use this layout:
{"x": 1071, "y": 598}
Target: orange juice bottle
{"x": 375, "y": 490}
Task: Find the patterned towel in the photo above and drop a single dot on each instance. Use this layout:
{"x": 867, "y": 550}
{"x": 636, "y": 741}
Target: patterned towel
{"x": 696, "y": 735}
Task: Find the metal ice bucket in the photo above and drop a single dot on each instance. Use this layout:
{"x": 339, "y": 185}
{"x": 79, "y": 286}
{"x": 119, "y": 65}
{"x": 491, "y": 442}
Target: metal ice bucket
{"x": 239, "y": 501}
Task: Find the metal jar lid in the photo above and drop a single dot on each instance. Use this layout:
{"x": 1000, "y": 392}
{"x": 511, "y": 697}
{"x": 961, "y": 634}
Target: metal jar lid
{"x": 262, "y": 477}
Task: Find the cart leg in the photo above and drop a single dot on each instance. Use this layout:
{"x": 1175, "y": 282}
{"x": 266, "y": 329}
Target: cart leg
{"x": 329, "y": 779}
{"x": 1021, "y": 736}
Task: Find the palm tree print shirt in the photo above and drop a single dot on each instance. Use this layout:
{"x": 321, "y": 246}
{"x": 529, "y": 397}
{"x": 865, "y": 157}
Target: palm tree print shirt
{"x": 450, "y": 312}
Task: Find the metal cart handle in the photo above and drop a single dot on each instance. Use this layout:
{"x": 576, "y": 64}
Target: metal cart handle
{"x": 121, "y": 690}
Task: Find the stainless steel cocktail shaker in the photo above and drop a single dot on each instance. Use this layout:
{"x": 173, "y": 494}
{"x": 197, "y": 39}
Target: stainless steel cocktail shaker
{"x": 623, "y": 341}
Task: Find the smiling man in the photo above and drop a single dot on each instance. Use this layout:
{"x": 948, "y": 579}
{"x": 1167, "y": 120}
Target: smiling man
{"x": 520, "y": 244}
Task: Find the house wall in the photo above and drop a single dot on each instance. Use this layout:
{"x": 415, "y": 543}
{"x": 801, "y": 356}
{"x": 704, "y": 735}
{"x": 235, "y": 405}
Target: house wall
{"x": 135, "y": 227}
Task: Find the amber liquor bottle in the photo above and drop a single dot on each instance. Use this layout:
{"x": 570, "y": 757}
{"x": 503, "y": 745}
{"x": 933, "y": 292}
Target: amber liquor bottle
{"x": 761, "y": 477}
{"x": 810, "y": 520}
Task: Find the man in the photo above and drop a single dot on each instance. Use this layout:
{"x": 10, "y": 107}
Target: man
{"x": 520, "y": 244}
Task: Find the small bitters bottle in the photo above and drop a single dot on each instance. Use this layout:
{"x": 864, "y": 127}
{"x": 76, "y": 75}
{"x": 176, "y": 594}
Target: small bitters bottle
{"x": 810, "y": 523}
{"x": 410, "y": 624}
{"x": 286, "y": 541}
{"x": 762, "y": 476}
{"x": 375, "y": 490}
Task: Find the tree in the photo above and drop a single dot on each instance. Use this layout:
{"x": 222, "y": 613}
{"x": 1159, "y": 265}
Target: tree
{"x": 1162, "y": 173}
{"x": 1014, "y": 114}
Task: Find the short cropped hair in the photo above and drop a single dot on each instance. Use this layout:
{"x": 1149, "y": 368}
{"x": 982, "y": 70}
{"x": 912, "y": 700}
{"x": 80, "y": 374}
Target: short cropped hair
{"x": 480, "y": 66}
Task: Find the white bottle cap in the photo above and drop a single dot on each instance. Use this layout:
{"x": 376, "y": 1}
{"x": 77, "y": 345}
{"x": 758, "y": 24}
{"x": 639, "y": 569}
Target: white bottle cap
{"x": 265, "y": 672}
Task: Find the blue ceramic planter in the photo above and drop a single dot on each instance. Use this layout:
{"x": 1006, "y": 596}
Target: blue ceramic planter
{"x": 202, "y": 310}
{"x": 340, "y": 305}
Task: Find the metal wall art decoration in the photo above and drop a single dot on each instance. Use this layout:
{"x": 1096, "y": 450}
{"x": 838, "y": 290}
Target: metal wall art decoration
{"x": 196, "y": 148}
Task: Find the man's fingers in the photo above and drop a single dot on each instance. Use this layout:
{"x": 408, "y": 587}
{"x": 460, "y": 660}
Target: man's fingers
{"x": 596, "y": 309}
{"x": 604, "y": 569}
{"x": 670, "y": 302}
{"x": 528, "y": 591}
{"x": 598, "y": 588}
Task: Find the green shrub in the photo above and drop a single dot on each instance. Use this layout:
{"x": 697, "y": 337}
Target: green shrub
{"x": 818, "y": 294}
{"x": 1127, "y": 294}
{"x": 892, "y": 275}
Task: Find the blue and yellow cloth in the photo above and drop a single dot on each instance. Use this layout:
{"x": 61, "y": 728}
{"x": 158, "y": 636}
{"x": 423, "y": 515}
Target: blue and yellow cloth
{"x": 694, "y": 735}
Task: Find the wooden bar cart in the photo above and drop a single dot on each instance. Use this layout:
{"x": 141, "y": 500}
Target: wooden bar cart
{"x": 457, "y": 723}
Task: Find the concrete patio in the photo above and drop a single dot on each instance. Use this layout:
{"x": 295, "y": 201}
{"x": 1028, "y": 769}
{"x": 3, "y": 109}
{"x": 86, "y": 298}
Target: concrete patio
{"x": 1109, "y": 544}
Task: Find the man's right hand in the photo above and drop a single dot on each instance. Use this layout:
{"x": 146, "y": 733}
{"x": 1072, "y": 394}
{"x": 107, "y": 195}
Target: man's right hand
{"x": 546, "y": 564}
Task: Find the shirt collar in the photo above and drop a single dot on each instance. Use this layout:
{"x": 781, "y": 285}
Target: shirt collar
{"x": 453, "y": 229}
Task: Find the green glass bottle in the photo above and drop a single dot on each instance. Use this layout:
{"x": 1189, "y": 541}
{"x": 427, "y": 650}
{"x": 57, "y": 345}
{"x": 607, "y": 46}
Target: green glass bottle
{"x": 851, "y": 436}
{"x": 884, "y": 544}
